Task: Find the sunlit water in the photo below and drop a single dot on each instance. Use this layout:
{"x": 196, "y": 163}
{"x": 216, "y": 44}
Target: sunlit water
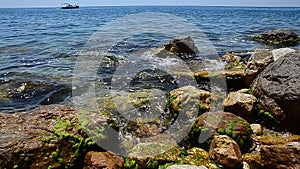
{"x": 41, "y": 46}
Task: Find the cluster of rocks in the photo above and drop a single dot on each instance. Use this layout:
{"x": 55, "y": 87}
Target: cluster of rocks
{"x": 263, "y": 92}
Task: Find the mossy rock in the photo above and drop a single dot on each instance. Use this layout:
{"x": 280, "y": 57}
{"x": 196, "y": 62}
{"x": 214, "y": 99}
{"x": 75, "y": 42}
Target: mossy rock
{"x": 223, "y": 123}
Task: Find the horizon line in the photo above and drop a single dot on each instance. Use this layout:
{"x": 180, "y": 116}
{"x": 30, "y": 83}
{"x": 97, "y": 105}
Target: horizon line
{"x": 254, "y": 6}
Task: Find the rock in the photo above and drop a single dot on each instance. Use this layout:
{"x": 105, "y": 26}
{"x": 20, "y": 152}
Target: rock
{"x": 230, "y": 58}
{"x": 256, "y": 128}
{"x": 98, "y": 160}
{"x": 48, "y": 136}
{"x": 278, "y": 89}
{"x": 280, "y": 37}
{"x": 281, "y": 156}
{"x": 214, "y": 123}
{"x": 275, "y": 140}
{"x": 186, "y": 167}
{"x": 241, "y": 104}
{"x": 188, "y": 94}
{"x": 253, "y": 160}
{"x": 225, "y": 150}
{"x": 181, "y": 46}
{"x": 144, "y": 153}
{"x": 246, "y": 165}
{"x": 258, "y": 61}
{"x": 278, "y": 53}
{"x": 197, "y": 156}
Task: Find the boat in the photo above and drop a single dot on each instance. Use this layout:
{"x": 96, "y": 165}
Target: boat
{"x": 69, "y": 6}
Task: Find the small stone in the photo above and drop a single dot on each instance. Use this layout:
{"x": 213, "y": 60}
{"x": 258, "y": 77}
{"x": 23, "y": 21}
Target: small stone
{"x": 246, "y": 165}
{"x": 256, "y": 128}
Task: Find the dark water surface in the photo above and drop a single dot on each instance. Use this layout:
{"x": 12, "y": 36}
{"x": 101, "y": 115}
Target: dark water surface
{"x": 39, "y": 46}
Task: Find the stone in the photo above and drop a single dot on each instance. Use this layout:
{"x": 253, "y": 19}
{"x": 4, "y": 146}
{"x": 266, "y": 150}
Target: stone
{"x": 214, "y": 123}
{"x": 226, "y": 151}
{"x": 143, "y": 153}
{"x": 186, "y": 167}
{"x": 188, "y": 94}
{"x": 275, "y": 140}
{"x": 256, "y": 128}
{"x": 241, "y": 104}
{"x": 246, "y": 165}
{"x": 182, "y": 46}
{"x": 278, "y": 89}
{"x": 258, "y": 61}
{"x": 253, "y": 160}
{"x": 278, "y": 37}
{"x": 281, "y": 156}
{"x": 278, "y": 53}
{"x": 42, "y": 137}
{"x": 95, "y": 160}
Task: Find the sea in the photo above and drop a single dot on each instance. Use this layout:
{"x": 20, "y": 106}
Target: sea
{"x": 39, "y": 47}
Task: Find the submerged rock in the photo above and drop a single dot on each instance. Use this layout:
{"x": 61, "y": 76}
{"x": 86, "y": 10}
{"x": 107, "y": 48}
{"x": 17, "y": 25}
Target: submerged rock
{"x": 281, "y": 37}
{"x": 278, "y": 89}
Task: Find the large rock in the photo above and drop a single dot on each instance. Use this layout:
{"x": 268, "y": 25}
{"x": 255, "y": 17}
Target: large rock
{"x": 281, "y": 156}
{"x": 98, "y": 160}
{"x": 278, "y": 89}
{"x": 46, "y": 137}
{"x": 278, "y": 53}
{"x": 258, "y": 61}
{"x": 226, "y": 151}
{"x": 181, "y": 46}
{"x": 239, "y": 103}
{"x": 214, "y": 123}
{"x": 281, "y": 37}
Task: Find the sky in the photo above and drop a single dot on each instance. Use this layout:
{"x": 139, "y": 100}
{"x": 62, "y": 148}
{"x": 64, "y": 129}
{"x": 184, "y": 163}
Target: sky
{"x": 57, "y": 3}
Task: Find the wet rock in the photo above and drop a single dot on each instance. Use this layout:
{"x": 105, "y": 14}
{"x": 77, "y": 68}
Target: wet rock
{"x": 278, "y": 53}
{"x": 258, "y": 61}
{"x": 279, "y": 37}
{"x": 253, "y": 160}
{"x": 182, "y": 46}
{"x": 214, "y": 123}
{"x": 281, "y": 156}
{"x": 145, "y": 154}
{"x": 197, "y": 156}
{"x": 25, "y": 93}
{"x": 186, "y": 167}
{"x": 188, "y": 94}
{"x": 256, "y": 128}
{"x": 47, "y": 136}
{"x": 241, "y": 104}
{"x": 274, "y": 140}
{"x": 278, "y": 89}
{"x": 225, "y": 150}
{"x": 98, "y": 160}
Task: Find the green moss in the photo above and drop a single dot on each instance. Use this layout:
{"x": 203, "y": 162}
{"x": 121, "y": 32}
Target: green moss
{"x": 153, "y": 165}
{"x": 18, "y": 151}
{"x": 55, "y": 154}
{"x": 165, "y": 165}
{"x": 170, "y": 100}
{"x": 15, "y": 166}
{"x": 50, "y": 167}
{"x": 130, "y": 164}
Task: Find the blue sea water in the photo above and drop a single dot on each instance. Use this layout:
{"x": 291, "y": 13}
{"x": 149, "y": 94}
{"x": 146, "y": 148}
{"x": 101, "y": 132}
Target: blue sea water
{"x": 40, "y": 45}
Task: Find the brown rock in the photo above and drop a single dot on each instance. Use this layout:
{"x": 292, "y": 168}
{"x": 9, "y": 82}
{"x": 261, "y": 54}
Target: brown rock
{"x": 258, "y": 61}
{"x": 226, "y": 151}
{"x": 241, "y": 104}
{"x": 254, "y": 160}
{"x": 43, "y": 137}
{"x": 222, "y": 123}
{"x": 97, "y": 160}
{"x": 283, "y": 156}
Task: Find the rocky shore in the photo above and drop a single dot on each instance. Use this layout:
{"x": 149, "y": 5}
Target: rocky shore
{"x": 258, "y": 127}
